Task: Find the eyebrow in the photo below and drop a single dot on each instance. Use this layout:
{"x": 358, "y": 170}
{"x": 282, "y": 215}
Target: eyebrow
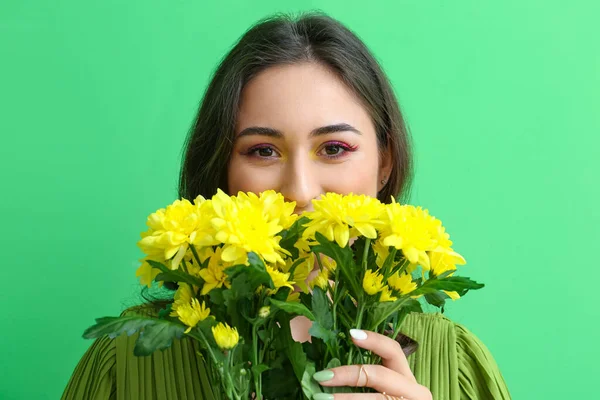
{"x": 324, "y": 130}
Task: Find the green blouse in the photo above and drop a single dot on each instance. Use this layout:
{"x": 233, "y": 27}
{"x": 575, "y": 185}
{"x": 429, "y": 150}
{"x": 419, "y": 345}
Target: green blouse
{"x": 450, "y": 361}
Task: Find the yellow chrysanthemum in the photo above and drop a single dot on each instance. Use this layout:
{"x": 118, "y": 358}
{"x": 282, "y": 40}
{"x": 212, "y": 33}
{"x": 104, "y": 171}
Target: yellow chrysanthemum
{"x": 410, "y": 229}
{"x": 214, "y": 274}
{"x": 147, "y": 273}
{"x": 386, "y": 295}
{"x": 372, "y": 282}
{"x": 328, "y": 263}
{"x": 225, "y": 336}
{"x": 301, "y": 272}
{"x": 402, "y": 283}
{"x": 187, "y": 308}
{"x": 273, "y": 206}
{"x": 452, "y": 295}
{"x": 303, "y": 245}
{"x": 381, "y": 252}
{"x": 244, "y": 225}
{"x": 280, "y": 279}
{"x": 171, "y": 230}
{"x": 442, "y": 261}
{"x": 293, "y": 297}
{"x": 320, "y": 280}
{"x": 338, "y": 217}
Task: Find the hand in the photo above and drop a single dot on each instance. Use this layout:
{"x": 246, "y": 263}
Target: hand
{"x": 393, "y": 380}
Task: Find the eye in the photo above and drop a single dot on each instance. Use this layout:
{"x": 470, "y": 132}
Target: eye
{"x": 265, "y": 152}
{"x": 262, "y": 151}
{"x": 333, "y": 149}
{"x": 336, "y": 149}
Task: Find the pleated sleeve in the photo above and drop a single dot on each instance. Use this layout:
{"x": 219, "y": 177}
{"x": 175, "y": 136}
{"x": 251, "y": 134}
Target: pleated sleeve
{"x": 478, "y": 374}
{"x": 110, "y": 371}
{"x": 94, "y": 375}
{"x": 452, "y": 362}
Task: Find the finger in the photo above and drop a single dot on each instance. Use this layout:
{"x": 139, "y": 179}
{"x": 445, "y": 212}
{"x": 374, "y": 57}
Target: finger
{"x": 377, "y": 377}
{"x": 357, "y": 396}
{"x": 387, "y": 348}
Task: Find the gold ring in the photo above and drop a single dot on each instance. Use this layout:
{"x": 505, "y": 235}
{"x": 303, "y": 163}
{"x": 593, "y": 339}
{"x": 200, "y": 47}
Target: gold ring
{"x": 360, "y": 371}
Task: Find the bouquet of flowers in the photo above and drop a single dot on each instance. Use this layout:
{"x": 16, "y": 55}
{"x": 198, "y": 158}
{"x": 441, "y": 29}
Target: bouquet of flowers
{"x": 246, "y": 265}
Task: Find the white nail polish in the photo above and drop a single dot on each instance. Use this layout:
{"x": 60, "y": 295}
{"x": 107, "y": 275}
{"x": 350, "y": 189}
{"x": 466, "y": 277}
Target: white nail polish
{"x": 358, "y": 334}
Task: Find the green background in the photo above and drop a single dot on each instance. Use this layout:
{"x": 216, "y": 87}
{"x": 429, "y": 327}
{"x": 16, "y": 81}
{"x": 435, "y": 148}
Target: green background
{"x": 502, "y": 98}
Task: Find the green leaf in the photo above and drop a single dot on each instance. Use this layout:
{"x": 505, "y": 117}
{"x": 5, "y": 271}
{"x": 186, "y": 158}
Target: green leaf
{"x": 290, "y": 347}
{"x": 359, "y": 247}
{"x": 255, "y": 273}
{"x": 204, "y": 327}
{"x": 260, "y": 368}
{"x": 310, "y": 387}
{"x": 437, "y": 299}
{"x": 321, "y": 308}
{"x": 115, "y": 326}
{"x": 453, "y": 284}
{"x": 293, "y": 308}
{"x": 280, "y": 383}
{"x": 164, "y": 313}
{"x": 382, "y": 311}
{"x": 178, "y": 275}
{"x": 158, "y": 336}
{"x": 290, "y": 236}
{"x": 319, "y": 331}
{"x": 216, "y": 296}
{"x": 344, "y": 258}
{"x": 282, "y": 294}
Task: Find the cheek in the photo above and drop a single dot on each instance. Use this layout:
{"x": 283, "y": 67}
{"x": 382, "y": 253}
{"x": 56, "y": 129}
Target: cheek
{"x": 357, "y": 178}
{"x": 242, "y": 177}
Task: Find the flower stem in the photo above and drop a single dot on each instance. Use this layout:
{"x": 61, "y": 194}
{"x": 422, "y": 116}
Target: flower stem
{"x": 195, "y": 253}
{"x": 366, "y": 253}
{"x": 255, "y": 371}
{"x": 361, "y": 310}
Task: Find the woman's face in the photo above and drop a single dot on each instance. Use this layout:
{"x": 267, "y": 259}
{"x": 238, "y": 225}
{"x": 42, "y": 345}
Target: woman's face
{"x": 301, "y": 132}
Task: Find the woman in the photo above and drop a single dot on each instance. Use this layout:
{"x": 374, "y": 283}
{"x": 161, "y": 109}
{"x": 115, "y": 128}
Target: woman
{"x": 302, "y": 107}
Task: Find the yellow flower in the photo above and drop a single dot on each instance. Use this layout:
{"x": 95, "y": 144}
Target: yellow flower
{"x": 386, "y": 295}
{"x": 447, "y": 260}
{"x": 171, "y": 230}
{"x": 187, "y": 308}
{"x": 147, "y": 273}
{"x": 214, "y": 274}
{"x": 409, "y": 229}
{"x": 244, "y": 225}
{"x": 273, "y": 206}
{"x": 402, "y": 283}
{"x": 320, "y": 280}
{"x": 338, "y": 217}
{"x": 293, "y": 297}
{"x": 372, "y": 282}
{"x": 225, "y": 336}
{"x": 280, "y": 279}
{"x": 381, "y": 252}
{"x": 302, "y": 270}
{"x": 452, "y": 295}
{"x": 328, "y": 263}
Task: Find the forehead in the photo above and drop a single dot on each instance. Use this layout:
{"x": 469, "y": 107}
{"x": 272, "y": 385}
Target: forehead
{"x": 300, "y": 98}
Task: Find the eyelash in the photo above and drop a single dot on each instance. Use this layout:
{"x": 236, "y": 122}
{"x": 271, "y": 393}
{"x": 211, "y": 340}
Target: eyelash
{"x": 345, "y": 147}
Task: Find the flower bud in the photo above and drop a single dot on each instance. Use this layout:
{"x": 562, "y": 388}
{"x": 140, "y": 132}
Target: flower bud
{"x": 264, "y": 311}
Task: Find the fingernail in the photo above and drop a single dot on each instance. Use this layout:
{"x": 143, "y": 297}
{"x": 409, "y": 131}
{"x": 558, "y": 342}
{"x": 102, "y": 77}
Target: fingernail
{"x": 323, "y": 376}
{"x": 323, "y": 396}
{"x": 358, "y": 334}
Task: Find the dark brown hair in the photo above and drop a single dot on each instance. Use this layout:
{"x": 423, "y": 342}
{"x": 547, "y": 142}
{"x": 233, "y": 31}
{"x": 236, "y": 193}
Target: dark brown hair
{"x": 283, "y": 40}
